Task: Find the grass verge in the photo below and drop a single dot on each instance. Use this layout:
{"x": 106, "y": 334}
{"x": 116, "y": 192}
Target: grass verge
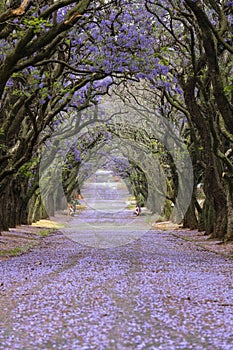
{"x": 17, "y": 250}
{"x": 18, "y": 245}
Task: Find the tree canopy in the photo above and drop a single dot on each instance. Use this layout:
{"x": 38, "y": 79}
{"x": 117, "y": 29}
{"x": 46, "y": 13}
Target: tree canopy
{"x": 60, "y": 58}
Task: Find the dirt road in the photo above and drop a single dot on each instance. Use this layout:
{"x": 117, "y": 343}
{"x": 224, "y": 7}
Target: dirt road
{"x": 158, "y": 292}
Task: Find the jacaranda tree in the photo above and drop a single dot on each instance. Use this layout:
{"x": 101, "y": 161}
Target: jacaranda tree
{"x": 201, "y": 60}
{"x": 55, "y": 57}
{"x": 59, "y": 57}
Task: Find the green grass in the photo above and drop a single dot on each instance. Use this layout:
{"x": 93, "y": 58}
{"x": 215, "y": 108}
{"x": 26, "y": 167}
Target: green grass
{"x": 21, "y": 249}
{"x": 46, "y": 232}
{"x": 46, "y": 227}
{"x": 17, "y": 250}
{"x": 130, "y": 206}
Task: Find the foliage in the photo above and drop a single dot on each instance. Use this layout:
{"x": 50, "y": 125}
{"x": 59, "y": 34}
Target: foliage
{"x": 58, "y": 58}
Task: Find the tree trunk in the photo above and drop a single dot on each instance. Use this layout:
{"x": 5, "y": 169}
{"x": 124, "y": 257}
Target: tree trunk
{"x": 229, "y": 189}
{"x": 190, "y": 219}
{"x": 36, "y": 209}
{"x": 14, "y": 202}
{"x": 220, "y": 222}
{"x": 7, "y": 208}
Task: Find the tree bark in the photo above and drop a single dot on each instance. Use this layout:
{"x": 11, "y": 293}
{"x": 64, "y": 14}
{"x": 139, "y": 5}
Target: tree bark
{"x": 190, "y": 219}
{"x": 229, "y": 189}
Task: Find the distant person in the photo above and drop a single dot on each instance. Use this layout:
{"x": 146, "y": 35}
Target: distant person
{"x": 70, "y": 210}
{"x": 74, "y": 205}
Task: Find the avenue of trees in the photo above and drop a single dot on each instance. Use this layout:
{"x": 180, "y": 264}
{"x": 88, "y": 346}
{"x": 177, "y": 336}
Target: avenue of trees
{"x": 165, "y": 60}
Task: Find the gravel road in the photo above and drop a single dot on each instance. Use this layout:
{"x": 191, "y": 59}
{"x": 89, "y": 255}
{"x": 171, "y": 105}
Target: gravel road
{"x": 158, "y": 292}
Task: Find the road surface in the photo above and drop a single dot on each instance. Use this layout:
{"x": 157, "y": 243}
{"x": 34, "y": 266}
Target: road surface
{"x": 158, "y": 292}
{"x": 146, "y": 290}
